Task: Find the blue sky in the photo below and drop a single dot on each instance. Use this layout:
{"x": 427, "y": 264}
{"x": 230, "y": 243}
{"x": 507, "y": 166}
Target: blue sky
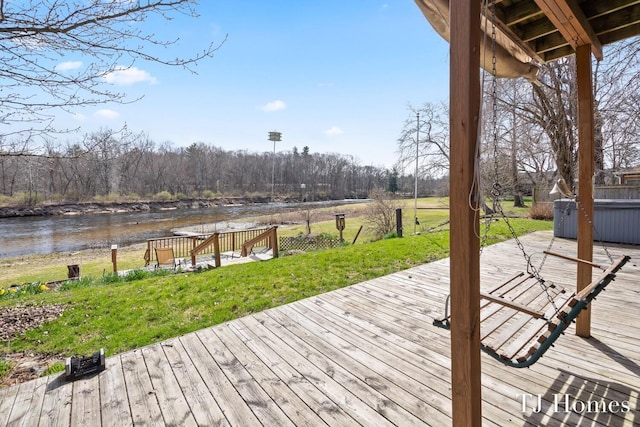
{"x": 336, "y": 76}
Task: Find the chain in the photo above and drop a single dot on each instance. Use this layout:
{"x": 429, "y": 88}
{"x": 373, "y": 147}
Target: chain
{"x": 494, "y": 126}
{"x": 565, "y": 212}
{"x": 595, "y": 230}
{"x": 531, "y": 269}
{"x": 496, "y": 189}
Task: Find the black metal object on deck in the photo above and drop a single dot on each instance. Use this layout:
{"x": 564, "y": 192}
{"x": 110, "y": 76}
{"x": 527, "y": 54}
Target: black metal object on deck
{"x": 78, "y": 366}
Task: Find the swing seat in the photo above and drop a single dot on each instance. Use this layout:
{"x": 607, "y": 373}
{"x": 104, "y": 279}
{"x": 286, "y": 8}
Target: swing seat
{"x": 521, "y": 318}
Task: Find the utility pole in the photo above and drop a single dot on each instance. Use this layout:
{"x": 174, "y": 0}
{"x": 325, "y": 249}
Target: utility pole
{"x": 415, "y": 193}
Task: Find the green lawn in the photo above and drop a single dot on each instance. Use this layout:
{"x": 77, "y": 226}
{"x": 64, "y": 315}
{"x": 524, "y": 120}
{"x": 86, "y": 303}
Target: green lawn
{"x": 122, "y": 315}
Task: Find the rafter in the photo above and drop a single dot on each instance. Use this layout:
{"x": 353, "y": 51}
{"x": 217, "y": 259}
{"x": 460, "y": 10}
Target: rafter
{"x": 569, "y": 19}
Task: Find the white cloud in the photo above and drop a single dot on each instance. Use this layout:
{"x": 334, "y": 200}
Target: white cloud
{"x": 107, "y": 114}
{"x": 128, "y": 76}
{"x": 79, "y": 117}
{"x": 333, "y": 131}
{"x": 273, "y": 106}
{"x": 68, "y": 65}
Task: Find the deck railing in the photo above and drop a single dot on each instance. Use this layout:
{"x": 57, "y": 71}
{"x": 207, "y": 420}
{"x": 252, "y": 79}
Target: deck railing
{"x": 211, "y": 241}
{"x": 269, "y": 238}
{"x": 183, "y": 245}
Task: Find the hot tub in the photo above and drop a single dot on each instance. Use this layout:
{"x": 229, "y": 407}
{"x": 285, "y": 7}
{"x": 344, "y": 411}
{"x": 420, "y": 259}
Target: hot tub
{"x": 615, "y": 221}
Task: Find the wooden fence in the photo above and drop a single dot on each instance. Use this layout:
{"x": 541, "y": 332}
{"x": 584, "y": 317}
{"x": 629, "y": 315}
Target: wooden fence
{"x": 183, "y": 245}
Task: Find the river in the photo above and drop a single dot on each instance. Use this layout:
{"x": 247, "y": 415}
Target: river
{"x": 69, "y": 233}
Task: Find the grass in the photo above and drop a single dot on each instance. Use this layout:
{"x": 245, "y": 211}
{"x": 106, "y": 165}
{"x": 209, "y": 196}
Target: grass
{"x": 46, "y": 268}
{"x": 5, "y": 367}
{"x": 122, "y": 314}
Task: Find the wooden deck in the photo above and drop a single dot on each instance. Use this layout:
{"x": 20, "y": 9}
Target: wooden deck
{"x": 363, "y": 355}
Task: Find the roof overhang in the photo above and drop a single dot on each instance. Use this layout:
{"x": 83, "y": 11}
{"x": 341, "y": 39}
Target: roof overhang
{"x": 537, "y": 31}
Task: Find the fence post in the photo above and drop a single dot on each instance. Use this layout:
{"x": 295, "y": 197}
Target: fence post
{"x": 193, "y": 246}
{"x": 216, "y": 248}
{"x": 114, "y": 257}
{"x": 147, "y": 255}
{"x": 274, "y": 242}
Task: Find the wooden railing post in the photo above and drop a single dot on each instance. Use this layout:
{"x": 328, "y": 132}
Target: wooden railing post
{"x": 193, "y": 255}
{"x": 274, "y": 242}
{"x": 216, "y": 248}
{"x": 147, "y": 254}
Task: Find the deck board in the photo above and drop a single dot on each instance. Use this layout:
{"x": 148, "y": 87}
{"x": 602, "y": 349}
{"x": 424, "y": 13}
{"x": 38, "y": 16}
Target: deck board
{"x": 363, "y": 355}
{"x": 113, "y": 402}
{"x": 142, "y": 399}
{"x": 85, "y": 402}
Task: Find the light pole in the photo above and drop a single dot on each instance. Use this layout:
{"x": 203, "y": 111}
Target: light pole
{"x": 415, "y": 189}
{"x": 274, "y": 136}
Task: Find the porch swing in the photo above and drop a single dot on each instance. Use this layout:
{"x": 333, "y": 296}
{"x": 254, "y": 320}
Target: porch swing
{"x": 521, "y": 318}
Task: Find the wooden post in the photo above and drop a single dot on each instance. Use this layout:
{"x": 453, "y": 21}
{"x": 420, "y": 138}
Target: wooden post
{"x": 216, "y": 248}
{"x": 274, "y": 242}
{"x": 585, "y": 175}
{"x": 194, "y": 243}
{"x": 464, "y": 107}
{"x": 114, "y": 257}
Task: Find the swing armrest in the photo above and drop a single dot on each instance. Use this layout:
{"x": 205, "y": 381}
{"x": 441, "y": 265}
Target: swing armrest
{"x": 578, "y": 260}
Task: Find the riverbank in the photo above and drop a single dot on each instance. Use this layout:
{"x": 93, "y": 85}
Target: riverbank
{"x": 85, "y": 208}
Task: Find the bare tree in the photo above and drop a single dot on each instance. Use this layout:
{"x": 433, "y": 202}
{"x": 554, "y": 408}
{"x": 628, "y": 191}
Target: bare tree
{"x": 616, "y": 86}
{"x": 433, "y": 145}
{"x": 37, "y": 35}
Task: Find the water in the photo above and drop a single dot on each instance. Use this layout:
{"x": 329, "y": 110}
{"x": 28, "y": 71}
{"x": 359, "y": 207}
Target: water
{"x": 43, "y": 235}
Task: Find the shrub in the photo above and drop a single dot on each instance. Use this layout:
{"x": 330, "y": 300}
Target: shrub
{"x": 543, "y": 211}
{"x": 208, "y": 194}
{"x": 381, "y": 213}
{"x": 163, "y": 196}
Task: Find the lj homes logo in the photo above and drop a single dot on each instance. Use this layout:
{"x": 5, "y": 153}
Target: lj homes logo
{"x": 567, "y": 403}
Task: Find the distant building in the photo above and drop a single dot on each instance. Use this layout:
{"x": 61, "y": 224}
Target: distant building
{"x": 630, "y": 176}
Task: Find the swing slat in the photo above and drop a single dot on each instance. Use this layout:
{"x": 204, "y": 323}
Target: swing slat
{"x": 535, "y": 298}
{"x": 512, "y": 304}
{"x": 506, "y": 282}
{"x": 507, "y": 335}
{"x": 489, "y": 310}
{"x": 532, "y": 297}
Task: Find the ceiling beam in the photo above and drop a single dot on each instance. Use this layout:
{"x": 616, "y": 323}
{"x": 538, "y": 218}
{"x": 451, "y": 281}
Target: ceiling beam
{"x": 568, "y": 18}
